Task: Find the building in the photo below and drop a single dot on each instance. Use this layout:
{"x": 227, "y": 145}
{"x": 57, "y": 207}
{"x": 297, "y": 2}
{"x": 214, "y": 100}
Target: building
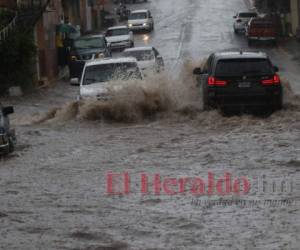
{"x": 288, "y": 9}
{"x": 295, "y": 15}
{"x": 45, "y": 31}
{"x": 10, "y": 4}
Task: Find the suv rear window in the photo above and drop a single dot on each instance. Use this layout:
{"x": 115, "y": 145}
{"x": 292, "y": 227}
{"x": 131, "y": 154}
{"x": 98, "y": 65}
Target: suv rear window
{"x": 243, "y": 67}
{"x": 247, "y": 15}
{"x": 261, "y": 23}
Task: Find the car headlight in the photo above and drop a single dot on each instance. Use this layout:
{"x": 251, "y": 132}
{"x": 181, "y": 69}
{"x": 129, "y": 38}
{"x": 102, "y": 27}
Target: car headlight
{"x": 145, "y": 24}
{"x": 130, "y": 25}
{"x": 100, "y": 55}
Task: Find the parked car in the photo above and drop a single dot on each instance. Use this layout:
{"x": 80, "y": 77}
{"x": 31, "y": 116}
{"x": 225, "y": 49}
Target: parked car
{"x": 119, "y": 37}
{"x": 241, "y": 21}
{"x": 140, "y": 20}
{"x": 7, "y": 135}
{"x": 100, "y": 76}
{"x": 84, "y": 49}
{"x": 148, "y": 58}
{"x": 240, "y": 79}
{"x": 261, "y": 29}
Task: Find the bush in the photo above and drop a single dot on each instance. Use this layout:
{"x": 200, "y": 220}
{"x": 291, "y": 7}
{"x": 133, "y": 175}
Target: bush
{"x": 17, "y": 59}
{"x": 6, "y": 17}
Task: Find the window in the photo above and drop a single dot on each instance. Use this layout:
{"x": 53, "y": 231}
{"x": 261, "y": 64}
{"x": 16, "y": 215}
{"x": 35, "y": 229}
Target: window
{"x": 243, "y": 67}
{"x": 134, "y": 16}
{"x": 117, "y": 32}
{"x": 89, "y": 43}
{"x": 110, "y": 72}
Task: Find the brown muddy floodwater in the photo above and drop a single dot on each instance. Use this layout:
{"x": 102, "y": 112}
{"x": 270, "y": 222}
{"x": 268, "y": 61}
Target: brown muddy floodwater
{"x": 53, "y": 189}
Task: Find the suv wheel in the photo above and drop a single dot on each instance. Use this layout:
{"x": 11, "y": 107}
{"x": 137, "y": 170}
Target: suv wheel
{"x": 277, "y": 104}
{"x": 250, "y": 42}
{"x": 11, "y": 147}
{"x": 205, "y": 100}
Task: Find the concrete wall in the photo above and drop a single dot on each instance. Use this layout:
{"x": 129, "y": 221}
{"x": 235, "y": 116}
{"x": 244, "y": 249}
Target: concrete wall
{"x": 295, "y": 7}
{"x": 10, "y": 4}
{"x": 47, "y": 66}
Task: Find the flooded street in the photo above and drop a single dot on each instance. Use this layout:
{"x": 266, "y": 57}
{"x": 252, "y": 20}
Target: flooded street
{"x": 54, "y": 187}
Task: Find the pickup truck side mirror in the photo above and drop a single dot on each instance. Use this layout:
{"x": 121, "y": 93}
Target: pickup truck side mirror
{"x": 8, "y": 110}
{"x": 276, "y": 69}
{"x": 197, "y": 71}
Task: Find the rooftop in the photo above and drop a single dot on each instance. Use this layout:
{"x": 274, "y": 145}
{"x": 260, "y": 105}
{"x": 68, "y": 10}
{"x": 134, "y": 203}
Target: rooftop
{"x": 138, "y": 49}
{"x": 118, "y": 27}
{"x": 111, "y": 60}
{"x": 240, "y": 54}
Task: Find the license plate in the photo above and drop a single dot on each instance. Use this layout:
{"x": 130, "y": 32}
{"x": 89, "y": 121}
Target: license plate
{"x": 244, "y": 84}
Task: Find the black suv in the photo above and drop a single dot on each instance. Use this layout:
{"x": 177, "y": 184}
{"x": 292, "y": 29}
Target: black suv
{"x": 7, "y": 136}
{"x": 86, "y": 48}
{"x": 239, "y": 79}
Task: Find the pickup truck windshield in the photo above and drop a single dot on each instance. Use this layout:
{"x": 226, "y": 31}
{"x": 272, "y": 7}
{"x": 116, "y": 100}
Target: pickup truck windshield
{"x": 111, "y": 72}
{"x": 143, "y": 55}
{"x": 117, "y": 32}
{"x": 135, "y": 16}
{"x": 243, "y": 67}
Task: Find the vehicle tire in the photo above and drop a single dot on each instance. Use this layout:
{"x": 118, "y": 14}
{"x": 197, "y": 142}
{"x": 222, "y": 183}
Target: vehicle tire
{"x": 278, "y": 104}
{"x": 5, "y": 152}
{"x": 11, "y": 146}
{"x": 132, "y": 45}
{"x": 250, "y": 42}
{"x": 205, "y": 100}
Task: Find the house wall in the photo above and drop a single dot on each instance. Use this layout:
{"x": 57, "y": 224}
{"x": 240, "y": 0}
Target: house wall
{"x": 295, "y": 8}
{"x": 10, "y": 4}
{"x": 45, "y": 39}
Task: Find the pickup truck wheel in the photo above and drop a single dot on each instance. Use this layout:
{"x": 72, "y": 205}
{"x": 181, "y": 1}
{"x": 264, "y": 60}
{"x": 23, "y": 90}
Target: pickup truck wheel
{"x": 11, "y": 146}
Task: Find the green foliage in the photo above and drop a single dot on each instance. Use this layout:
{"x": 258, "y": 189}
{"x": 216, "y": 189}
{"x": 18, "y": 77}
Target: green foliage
{"x": 17, "y": 59}
{"x": 6, "y": 17}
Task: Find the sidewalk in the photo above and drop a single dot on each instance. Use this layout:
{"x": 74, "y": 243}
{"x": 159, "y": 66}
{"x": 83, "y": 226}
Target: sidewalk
{"x": 289, "y": 57}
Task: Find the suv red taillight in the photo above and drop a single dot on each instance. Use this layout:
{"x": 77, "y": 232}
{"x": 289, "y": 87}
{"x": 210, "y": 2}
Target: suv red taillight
{"x": 212, "y": 81}
{"x": 275, "y": 80}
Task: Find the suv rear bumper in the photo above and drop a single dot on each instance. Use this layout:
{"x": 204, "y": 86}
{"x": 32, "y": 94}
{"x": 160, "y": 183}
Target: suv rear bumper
{"x": 258, "y": 38}
{"x": 270, "y": 96}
